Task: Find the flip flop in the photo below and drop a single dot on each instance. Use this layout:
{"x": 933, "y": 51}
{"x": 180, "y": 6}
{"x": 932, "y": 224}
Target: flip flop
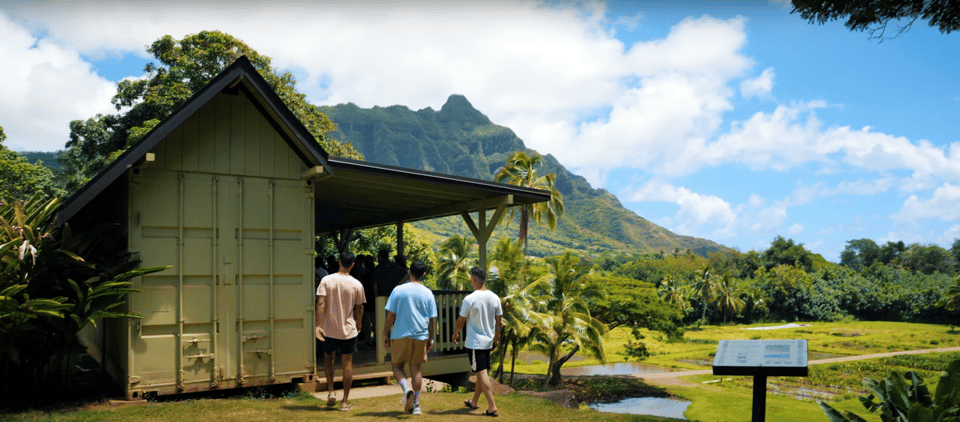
{"x": 467, "y": 403}
{"x": 489, "y": 413}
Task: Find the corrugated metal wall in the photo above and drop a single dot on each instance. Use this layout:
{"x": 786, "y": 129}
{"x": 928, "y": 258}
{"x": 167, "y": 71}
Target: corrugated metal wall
{"x": 224, "y": 206}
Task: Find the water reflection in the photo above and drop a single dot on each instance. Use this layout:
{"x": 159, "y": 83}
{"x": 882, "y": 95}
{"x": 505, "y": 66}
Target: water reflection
{"x": 622, "y": 368}
{"x": 654, "y": 406}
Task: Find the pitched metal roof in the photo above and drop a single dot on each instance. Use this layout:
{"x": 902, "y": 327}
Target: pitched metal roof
{"x": 361, "y": 194}
{"x": 242, "y": 76}
{"x": 349, "y": 194}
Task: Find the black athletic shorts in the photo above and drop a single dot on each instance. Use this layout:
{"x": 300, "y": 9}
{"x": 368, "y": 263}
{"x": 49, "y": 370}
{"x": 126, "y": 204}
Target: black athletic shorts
{"x": 479, "y": 359}
{"x": 345, "y": 347}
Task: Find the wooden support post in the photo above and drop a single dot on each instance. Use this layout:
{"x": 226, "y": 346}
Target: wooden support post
{"x": 483, "y": 232}
{"x": 400, "y": 238}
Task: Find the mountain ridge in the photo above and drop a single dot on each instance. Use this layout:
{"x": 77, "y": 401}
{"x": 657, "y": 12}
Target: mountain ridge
{"x": 460, "y": 140}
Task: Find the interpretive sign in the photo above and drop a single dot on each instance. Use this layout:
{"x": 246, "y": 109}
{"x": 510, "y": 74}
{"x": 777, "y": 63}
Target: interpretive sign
{"x": 777, "y": 358}
{"x": 761, "y": 358}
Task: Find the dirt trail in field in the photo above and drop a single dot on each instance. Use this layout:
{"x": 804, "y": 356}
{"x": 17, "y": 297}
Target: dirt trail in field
{"x": 673, "y": 378}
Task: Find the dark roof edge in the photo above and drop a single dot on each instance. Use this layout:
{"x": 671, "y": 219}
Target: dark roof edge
{"x": 240, "y": 68}
{"x": 394, "y": 171}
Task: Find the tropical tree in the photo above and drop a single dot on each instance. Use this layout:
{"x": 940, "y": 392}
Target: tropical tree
{"x": 951, "y": 298}
{"x": 706, "y": 289}
{"x": 875, "y": 15}
{"x": 454, "y": 263}
{"x": 632, "y": 303}
{"x": 907, "y": 398}
{"x": 728, "y": 297}
{"x": 755, "y": 302}
{"x": 52, "y": 285}
{"x": 521, "y": 170}
{"x": 516, "y": 287}
{"x": 567, "y": 323}
{"x": 20, "y": 180}
{"x": 676, "y": 292}
{"x": 184, "y": 67}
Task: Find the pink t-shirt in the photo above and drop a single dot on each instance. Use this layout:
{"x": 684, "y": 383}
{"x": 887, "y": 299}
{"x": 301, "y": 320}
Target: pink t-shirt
{"x": 341, "y": 293}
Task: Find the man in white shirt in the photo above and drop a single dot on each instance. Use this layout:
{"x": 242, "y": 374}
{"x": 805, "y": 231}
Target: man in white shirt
{"x": 482, "y": 314}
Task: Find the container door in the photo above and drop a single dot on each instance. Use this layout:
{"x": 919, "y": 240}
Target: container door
{"x": 272, "y": 285}
{"x": 173, "y": 348}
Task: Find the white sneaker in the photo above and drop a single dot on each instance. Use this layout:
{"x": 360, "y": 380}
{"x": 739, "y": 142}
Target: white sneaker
{"x": 408, "y": 400}
{"x": 416, "y": 409}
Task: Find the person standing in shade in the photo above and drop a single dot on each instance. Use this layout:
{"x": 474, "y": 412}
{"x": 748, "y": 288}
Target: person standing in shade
{"x": 408, "y": 333}
{"x": 340, "y": 301}
{"x": 482, "y": 314}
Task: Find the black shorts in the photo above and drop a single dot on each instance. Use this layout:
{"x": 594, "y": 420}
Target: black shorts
{"x": 345, "y": 347}
{"x": 479, "y": 359}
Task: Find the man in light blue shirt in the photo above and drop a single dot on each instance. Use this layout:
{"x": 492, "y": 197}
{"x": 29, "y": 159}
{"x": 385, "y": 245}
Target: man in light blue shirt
{"x": 408, "y": 332}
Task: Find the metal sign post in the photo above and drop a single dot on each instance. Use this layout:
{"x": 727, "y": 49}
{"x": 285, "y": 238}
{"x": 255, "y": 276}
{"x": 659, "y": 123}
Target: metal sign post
{"x": 761, "y": 359}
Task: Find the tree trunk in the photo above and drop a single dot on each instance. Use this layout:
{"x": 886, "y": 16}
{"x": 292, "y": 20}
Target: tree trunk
{"x": 553, "y": 373}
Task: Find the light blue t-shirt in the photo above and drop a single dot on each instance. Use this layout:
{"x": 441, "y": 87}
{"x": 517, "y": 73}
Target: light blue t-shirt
{"x": 480, "y": 308}
{"x": 414, "y": 305}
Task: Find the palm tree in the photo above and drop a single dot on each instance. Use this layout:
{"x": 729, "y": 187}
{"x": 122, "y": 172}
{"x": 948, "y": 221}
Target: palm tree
{"x": 510, "y": 282}
{"x": 566, "y": 316}
{"x": 675, "y": 292}
{"x": 455, "y": 263}
{"x": 728, "y": 297}
{"x": 952, "y": 299}
{"x": 521, "y": 170}
{"x": 706, "y": 290}
{"x": 755, "y": 301}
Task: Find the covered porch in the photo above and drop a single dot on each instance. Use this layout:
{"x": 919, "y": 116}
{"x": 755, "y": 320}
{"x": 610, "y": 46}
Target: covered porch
{"x": 357, "y": 195}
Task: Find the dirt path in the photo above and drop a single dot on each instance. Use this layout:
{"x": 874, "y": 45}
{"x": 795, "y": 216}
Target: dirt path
{"x": 673, "y": 378}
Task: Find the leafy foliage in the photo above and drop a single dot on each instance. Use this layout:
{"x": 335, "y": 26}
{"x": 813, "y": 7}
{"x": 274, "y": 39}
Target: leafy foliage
{"x": 908, "y": 400}
{"x": 20, "y": 179}
{"x": 563, "y": 302}
{"x": 521, "y": 170}
{"x": 875, "y": 15}
{"x": 52, "y": 285}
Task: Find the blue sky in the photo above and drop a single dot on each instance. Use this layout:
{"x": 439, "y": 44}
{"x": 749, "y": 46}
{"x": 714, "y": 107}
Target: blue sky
{"x": 732, "y": 121}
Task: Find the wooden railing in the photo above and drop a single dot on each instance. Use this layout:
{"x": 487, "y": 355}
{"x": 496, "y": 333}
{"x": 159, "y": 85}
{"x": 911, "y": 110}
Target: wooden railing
{"x": 448, "y": 308}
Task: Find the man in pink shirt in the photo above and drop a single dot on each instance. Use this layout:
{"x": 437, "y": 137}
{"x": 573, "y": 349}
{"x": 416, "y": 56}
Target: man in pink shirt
{"x": 340, "y": 302}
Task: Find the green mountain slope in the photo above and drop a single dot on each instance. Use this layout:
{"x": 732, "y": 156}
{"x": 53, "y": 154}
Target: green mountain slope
{"x": 460, "y": 140}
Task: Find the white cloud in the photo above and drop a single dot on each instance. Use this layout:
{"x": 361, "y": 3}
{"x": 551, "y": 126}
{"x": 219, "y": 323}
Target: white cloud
{"x": 761, "y": 86}
{"x": 45, "y": 88}
{"x": 943, "y": 205}
{"x": 795, "y": 229}
{"x": 697, "y": 213}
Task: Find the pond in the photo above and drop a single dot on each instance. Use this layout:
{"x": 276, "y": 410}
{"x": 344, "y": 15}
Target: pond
{"x": 654, "y": 406}
{"x": 622, "y": 368}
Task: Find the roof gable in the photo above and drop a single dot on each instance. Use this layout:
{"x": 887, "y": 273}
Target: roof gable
{"x": 240, "y": 77}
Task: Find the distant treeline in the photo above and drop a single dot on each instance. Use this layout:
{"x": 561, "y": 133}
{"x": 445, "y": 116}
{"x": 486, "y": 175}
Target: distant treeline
{"x": 786, "y": 282}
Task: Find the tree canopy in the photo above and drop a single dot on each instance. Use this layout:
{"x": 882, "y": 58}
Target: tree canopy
{"x": 875, "y": 15}
{"x": 184, "y": 67}
{"x": 20, "y": 180}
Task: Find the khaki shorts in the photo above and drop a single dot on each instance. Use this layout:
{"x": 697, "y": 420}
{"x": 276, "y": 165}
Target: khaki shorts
{"x": 407, "y": 350}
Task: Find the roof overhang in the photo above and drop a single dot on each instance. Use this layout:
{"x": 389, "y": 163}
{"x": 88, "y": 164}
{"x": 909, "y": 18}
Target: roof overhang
{"x": 362, "y": 194}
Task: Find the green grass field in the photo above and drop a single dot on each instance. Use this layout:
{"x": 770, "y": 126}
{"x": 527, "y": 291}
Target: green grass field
{"x": 713, "y": 398}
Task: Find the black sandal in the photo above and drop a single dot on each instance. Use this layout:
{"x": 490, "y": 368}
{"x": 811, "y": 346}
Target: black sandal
{"x": 467, "y": 403}
{"x": 489, "y": 413}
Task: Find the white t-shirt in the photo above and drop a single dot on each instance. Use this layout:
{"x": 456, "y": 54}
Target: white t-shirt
{"x": 480, "y": 308}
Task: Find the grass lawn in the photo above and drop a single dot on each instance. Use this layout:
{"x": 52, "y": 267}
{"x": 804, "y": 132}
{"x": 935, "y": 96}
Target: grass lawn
{"x": 444, "y": 406}
{"x": 730, "y": 400}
